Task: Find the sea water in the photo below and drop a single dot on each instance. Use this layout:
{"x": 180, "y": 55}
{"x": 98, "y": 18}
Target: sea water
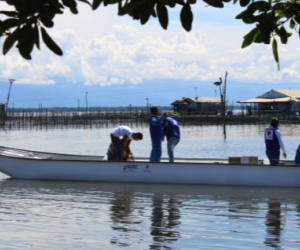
{"x": 94, "y": 215}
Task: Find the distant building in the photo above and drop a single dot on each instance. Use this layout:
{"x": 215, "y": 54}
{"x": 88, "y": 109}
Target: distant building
{"x": 179, "y": 106}
{"x": 276, "y": 100}
{"x": 209, "y": 105}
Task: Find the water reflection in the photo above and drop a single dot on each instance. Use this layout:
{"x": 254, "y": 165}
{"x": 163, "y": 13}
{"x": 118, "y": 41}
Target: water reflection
{"x": 86, "y": 215}
{"x": 274, "y": 225}
{"x": 123, "y": 217}
{"x": 163, "y": 227}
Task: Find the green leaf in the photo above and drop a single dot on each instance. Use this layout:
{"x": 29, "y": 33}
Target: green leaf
{"x": 250, "y": 37}
{"x": 145, "y": 14}
{"x": 264, "y": 36}
{"x": 113, "y": 1}
{"x": 235, "y": 1}
{"x": 107, "y": 2}
{"x": 72, "y": 5}
{"x": 85, "y": 1}
{"x": 50, "y": 43}
{"x": 292, "y": 24}
{"x": 145, "y": 18}
{"x": 127, "y": 8}
{"x": 26, "y": 41}
{"x": 259, "y": 38}
{"x": 297, "y": 19}
{"x": 172, "y": 3}
{"x": 280, "y": 14}
{"x": 284, "y": 35}
{"x": 249, "y": 20}
{"x": 275, "y": 52}
{"x": 2, "y": 28}
{"x": 96, "y": 4}
{"x": 259, "y": 6}
{"x": 136, "y": 13}
{"x": 215, "y": 3}
{"x": 10, "y": 41}
{"x": 181, "y": 2}
{"x": 36, "y": 36}
{"x": 245, "y": 14}
{"x": 24, "y": 52}
{"x": 47, "y": 20}
{"x": 244, "y": 3}
{"x": 279, "y": 6}
{"x": 9, "y": 13}
{"x": 151, "y": 8}
{"x": 10, "y": 23}
{"x": 162, "y": 13}
{"x": 186, "y": 17}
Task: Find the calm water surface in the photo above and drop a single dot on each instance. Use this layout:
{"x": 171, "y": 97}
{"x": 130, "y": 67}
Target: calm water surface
{"x": 91, "y": 215}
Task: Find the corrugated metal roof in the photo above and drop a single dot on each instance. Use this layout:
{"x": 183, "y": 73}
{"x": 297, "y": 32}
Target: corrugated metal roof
{"x": 294, "y": 93}
{"x": 178, "y": 102}
{"x": 276, "y": 95}
{"x": 205, "y": 99}
{"x": 263, "y": 100}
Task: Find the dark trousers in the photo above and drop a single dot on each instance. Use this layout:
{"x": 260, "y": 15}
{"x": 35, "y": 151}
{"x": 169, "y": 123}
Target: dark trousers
{"x": 156, "y": 151}
{"x": 273, "y": 156}
{"x": 117, "y": 154}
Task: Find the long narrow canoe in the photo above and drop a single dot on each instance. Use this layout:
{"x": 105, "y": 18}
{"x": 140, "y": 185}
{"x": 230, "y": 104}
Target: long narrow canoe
{"x": 25, "y": 164}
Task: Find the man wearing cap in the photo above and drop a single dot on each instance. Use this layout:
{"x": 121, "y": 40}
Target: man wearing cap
{"x": 128, "y": 135}
{"x": 172, "y": 132}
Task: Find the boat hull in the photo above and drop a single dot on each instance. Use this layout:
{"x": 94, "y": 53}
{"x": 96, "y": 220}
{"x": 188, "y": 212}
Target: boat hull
{"x": 146, "y": 172}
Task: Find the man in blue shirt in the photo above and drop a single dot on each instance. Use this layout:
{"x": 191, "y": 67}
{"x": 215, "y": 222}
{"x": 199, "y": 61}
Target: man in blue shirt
{"x": 172, "y": 132}
{"x": 274, "y": 142}
{"x": 156, "y": 133}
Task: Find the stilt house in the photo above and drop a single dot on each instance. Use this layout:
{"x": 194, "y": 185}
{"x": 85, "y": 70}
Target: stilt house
{"x": 206, "y": 105}
{"x": 276, "y": 100}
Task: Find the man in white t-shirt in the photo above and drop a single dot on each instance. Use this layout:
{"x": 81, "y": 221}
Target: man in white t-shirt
{"x": 128, "y": 135}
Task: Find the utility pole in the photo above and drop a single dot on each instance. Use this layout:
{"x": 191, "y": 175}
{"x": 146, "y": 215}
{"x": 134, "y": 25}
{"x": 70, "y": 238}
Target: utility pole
{"x": 223, "y": 101}
{"x": 147, "y": 104}
{"x": 78, "y": 105}
{"x": 196, "y": 99}
{"x": 196, "y": 92}
{"x": 86, "y": 102}
{"x": 224, "y": 90}
{"x": 6, "y": 110}
{"x": 11, "y": 82}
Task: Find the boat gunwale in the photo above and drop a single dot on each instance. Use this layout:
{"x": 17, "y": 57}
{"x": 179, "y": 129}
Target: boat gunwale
{"x": 139, "y": 162}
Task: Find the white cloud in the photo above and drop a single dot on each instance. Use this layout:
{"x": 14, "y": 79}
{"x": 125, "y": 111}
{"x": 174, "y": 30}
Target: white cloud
{"x": 98, "y": 55}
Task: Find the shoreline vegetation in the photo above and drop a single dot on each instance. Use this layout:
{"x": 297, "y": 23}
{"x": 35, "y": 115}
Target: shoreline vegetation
{"x": 106, "y": 117}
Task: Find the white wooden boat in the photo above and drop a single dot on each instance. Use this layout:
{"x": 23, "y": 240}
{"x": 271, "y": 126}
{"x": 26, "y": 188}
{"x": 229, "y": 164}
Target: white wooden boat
{"x": 24, "y": 164}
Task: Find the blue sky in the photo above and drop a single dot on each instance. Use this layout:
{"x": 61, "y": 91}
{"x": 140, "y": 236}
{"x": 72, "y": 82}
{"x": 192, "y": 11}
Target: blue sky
{"x": 120, "y": 62}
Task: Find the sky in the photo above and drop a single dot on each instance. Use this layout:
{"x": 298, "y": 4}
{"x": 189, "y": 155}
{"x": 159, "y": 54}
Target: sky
{"x": 112, "y": 60}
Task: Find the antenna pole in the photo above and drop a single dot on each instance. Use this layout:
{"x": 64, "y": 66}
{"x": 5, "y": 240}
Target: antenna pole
{"x": 11, "y": 82}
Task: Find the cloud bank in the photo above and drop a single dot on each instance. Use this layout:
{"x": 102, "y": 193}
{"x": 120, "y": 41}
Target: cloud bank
{"x": 128, "y": 54}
